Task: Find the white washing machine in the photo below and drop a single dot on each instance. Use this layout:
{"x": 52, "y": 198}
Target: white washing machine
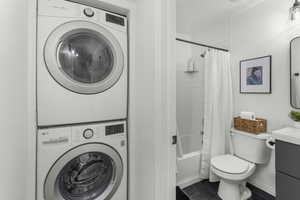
{"x": 82, "y": 162}
{"x": 81, "y": 64}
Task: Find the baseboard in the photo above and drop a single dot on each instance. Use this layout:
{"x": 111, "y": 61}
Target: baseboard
{"x": 258, "y": 192}
{"x": 265, "y": 188}
{"x": 189, "y": 182}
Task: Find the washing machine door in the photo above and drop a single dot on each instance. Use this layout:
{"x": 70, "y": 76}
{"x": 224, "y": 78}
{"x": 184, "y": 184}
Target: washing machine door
{"x": 88, "y": 172}
{"x": 84, "y": 57}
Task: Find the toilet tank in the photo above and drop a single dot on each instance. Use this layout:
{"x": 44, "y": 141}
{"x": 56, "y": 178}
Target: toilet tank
{"x": 251, "y": 147}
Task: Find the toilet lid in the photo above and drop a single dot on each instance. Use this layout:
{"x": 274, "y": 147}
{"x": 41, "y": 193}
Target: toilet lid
{"x": 230, "y": 164}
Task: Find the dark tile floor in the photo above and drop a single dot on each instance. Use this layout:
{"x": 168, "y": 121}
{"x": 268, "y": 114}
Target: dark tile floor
{"x": 180, "y": 195}
{"x": 208, "y": 191}
{"x": 203, "y": 191}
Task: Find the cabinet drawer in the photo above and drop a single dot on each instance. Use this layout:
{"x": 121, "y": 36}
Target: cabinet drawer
{"x": 288, "y": 158}
{"x": 287, "y": 188}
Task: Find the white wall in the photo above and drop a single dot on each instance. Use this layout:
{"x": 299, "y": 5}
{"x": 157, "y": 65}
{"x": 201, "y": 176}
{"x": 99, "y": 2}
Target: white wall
{"x": 144, "y": 101}
{"x": 205, "y": 22}
{"x": 216, "y": 33}
{"x": 154, "y": 122}
{"x": 13, "y": 102}
{"x": 265, "y": 29}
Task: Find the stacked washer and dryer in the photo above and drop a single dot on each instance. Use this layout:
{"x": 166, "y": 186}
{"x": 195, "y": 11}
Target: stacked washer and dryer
{"x": 82, "y": 89}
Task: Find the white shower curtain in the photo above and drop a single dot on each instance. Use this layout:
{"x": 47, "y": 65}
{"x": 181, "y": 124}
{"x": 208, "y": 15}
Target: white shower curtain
{"x": 217, "y": 109}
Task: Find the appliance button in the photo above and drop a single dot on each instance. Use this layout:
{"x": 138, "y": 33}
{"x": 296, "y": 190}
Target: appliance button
{"x": 88, "y": 133}
{"x": 89, "y": 12}
{"x": 123, "y": 143}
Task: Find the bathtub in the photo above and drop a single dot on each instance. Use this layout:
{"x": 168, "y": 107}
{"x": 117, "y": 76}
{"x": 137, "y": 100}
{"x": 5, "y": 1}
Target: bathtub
{"x": 188, "y": 160}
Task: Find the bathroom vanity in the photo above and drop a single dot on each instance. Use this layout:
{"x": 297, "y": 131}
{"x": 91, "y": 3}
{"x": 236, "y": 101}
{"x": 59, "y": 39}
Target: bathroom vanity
{"x": 287, "y": 163}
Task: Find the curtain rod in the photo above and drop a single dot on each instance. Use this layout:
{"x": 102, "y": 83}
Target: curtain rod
{"x": 203, "y": 45}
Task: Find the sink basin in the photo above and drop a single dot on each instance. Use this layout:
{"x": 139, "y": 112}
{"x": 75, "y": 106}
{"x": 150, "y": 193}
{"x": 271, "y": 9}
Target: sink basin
{"x": 288, "y": 134}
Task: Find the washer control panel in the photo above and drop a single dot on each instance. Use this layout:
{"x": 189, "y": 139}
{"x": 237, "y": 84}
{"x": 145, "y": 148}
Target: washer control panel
{"x": 54, "y": 137}
{"x": 88, "y": 133}
{"x": 98, "y": 132}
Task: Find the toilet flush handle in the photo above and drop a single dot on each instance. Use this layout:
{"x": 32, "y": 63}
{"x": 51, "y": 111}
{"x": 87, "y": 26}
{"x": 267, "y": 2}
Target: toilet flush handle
{"x": 270, "y": 142}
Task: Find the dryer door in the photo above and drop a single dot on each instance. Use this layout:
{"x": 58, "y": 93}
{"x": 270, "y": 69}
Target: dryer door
{"x": 84, "y": 57}
{"x": 89, "y": 172}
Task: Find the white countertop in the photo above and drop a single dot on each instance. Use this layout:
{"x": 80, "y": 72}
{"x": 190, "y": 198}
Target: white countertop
{"x": 288, "y": 134}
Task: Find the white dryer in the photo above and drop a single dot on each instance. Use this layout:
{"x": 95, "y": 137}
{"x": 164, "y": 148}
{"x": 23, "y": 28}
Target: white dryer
{"x": 82, "y": 162}
{"x": 81, "y": 64}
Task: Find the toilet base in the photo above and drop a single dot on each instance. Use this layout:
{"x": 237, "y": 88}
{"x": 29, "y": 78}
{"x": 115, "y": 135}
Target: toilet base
{"x": 233, "y": 190}
{"x": 247, "y": 194}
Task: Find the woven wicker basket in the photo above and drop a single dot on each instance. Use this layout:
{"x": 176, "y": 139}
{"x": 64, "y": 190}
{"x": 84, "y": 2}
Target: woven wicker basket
{"x": 252, "y": 126}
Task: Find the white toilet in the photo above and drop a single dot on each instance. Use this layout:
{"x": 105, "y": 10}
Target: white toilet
{"x": 234, "y": 170}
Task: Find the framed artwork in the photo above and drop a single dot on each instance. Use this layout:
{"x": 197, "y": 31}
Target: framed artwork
{"x": 256, "y": 75}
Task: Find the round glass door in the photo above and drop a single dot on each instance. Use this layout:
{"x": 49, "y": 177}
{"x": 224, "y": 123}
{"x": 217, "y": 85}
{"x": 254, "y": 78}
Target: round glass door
{"x": 84, "y": 57}
{"x": 86, "y": 176}
{"x": 83, "y": 174}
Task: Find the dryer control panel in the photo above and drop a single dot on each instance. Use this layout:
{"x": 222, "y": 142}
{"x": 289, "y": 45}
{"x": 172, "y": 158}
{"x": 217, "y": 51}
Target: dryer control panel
{"x": 68, "y": 9}
{"x": 115, "y": 19}
{"x": 114, "y": 129}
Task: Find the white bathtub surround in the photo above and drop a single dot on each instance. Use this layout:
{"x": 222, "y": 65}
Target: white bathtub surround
{"x": 190, "y": 112}
{"x": 218, "y": 109}
{"x": 189, "y": 98}
{"x": 188, "y": 172}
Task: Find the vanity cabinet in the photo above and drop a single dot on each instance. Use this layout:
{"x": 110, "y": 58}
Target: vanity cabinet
{"x": 287, "y": 171}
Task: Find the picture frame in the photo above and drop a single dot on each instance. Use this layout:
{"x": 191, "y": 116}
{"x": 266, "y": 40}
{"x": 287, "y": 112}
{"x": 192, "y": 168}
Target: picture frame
{"x": 256, "y": 75}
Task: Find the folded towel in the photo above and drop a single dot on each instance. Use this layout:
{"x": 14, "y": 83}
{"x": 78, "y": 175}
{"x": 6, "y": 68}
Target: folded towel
{"x": 248, "y": 115}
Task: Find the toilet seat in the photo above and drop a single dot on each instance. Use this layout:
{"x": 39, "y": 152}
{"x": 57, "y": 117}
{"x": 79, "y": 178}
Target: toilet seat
{"x": 230, "y": 164}
{"x": 233, "y": 173}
